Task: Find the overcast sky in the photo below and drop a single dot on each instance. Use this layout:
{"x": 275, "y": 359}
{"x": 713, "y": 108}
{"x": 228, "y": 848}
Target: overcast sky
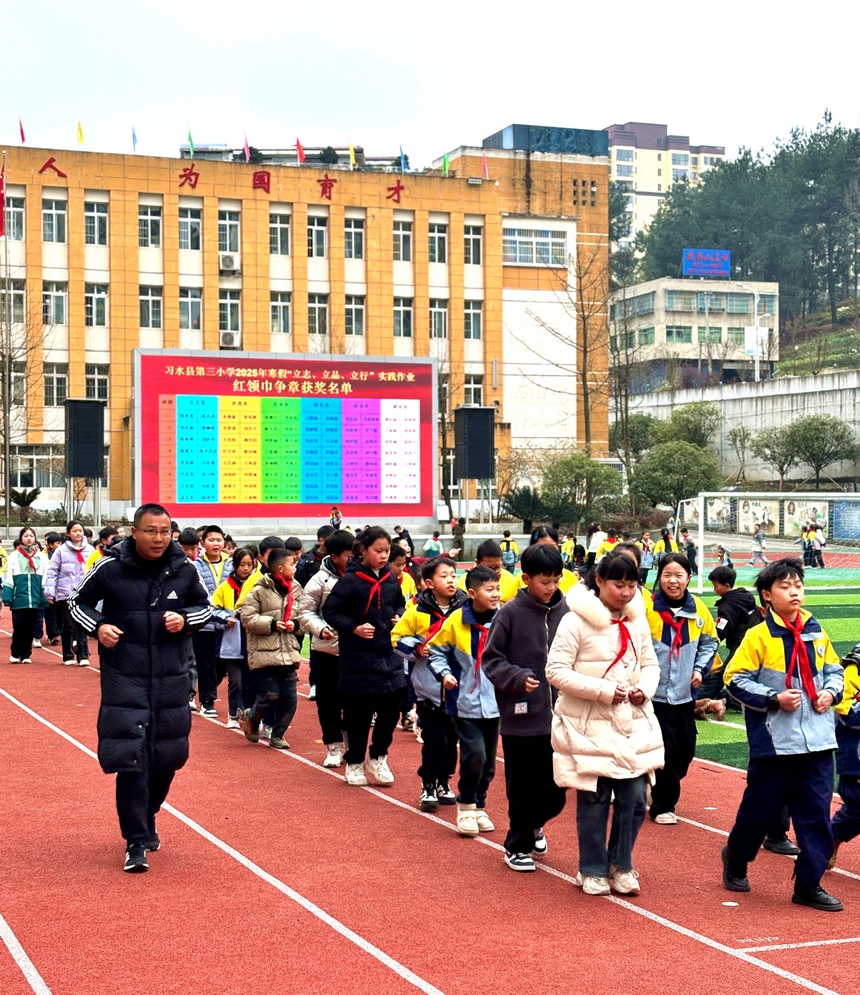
{"x": 428, "y": 76}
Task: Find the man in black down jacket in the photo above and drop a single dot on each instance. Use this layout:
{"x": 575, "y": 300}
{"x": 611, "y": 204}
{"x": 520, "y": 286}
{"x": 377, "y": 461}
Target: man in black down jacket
{"x": 152, "y": 601}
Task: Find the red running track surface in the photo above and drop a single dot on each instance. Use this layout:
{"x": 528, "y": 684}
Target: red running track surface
{"x": 275, "y": 875}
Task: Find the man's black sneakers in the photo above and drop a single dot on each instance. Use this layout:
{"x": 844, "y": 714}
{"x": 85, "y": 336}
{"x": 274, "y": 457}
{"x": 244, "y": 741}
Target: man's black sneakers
{"x": 135, "y": 859}
{"x": 781, "y": 845}
{"x": 734, "y": 873}
{"x": 815, "y": 897}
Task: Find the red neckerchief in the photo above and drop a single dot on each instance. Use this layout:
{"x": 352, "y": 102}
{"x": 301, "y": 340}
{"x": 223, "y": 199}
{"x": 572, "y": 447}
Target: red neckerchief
{"x": 288, "y": 605}
{"x": 482, "y": 642}
{"x": 624, "y": 634}
{"x": 24, "y": 552}
{"x": 375, "y": 588}
{"x": 80, "y": 554}
{"x": 236, "y": 586}
{"x": 800, "y": 659}
{"x": 678, "y": 629}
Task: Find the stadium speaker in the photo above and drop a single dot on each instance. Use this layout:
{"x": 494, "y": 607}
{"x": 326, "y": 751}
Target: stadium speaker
{"x": 474, "y": 443}
{"x": 85, "y": 433}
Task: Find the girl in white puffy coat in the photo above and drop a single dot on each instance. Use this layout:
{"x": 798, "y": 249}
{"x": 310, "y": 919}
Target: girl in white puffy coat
{"x": 606, "y": 740}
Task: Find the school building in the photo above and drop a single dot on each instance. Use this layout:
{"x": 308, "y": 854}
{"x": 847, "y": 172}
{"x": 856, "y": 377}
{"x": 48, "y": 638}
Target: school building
{"x": 478, "y": 267}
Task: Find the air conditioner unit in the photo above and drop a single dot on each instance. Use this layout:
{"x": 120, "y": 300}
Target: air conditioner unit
{"x": 230, "y": 340}
{"x": 229, "y": 262}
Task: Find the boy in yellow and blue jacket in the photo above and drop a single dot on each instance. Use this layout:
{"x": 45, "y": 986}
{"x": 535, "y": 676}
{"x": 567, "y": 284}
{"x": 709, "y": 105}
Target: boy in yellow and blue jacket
{"x": 489, "y": 554}
{"x": 787, "y": 676}
{"x": 469, "y": 697}
{"x": 846, "y": 822}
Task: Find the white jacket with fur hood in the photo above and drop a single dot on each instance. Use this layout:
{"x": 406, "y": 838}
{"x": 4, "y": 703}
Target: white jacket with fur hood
{"x": 591, "y": 736}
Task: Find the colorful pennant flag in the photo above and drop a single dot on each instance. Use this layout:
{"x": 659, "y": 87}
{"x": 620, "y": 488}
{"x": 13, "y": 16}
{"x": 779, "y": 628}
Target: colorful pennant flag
{"x": 21, "y": 129}
{"x": 445, "y": 164}
{"x": 352, "y": 159}
{"x": 80, "y": 134}
{"x": 402, "y": 161}
{"x": 247, "y": 148}
{"x": 133, "y": 139}
{"x": 485, "y": 169}
{"x": 300, "y": 151}
{"x": 3, "y": 198}
{"x": 190, "y": 143}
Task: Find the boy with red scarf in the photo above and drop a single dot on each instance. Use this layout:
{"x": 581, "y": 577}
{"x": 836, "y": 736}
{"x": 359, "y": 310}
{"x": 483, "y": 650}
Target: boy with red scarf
{"x": 269, "y": 616}
{"x": 787, "y": 676}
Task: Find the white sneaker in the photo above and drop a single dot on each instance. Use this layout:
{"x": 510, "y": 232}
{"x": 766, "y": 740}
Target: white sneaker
{"x": 624, "y": 882}
{"x": 467, "y": 824}
{"x": 37, "y": 643}
{"x": 334, "y": 755}
{"x": 232, "y": 723}
{"x": 379, "y": 770}
{"x": 666, "y": 819}
{"x": 485, "y": 823}
{"x": 14, "y": 659}
{"x": 69, "y": 663}
{"x": 26, "y": 660}
{"x": 355, "y": 775}
{"x": 591, "y": 885}
{"x": 312, "y": 692}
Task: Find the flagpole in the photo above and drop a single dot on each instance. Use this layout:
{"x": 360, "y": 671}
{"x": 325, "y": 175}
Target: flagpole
{"x": 7, "y": 361}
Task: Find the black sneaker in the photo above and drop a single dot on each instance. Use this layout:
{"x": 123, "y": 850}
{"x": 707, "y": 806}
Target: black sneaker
{"x": 815, "y": 897}
{"x": 153, "y": 843}
{"x": 428, "y": 802}
{"x": 250, "y": 727}
{"x": 444, "y": 794}
{"x": 520, "y": 861}
{"x": 209, "y": 710}
{"x": 781, "y": 845}
{"x": 734, "y": 873}
{"x": 135, "y": 859}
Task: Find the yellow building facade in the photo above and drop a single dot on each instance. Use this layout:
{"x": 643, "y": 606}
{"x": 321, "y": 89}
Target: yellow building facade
{"x": 107, "y": 253}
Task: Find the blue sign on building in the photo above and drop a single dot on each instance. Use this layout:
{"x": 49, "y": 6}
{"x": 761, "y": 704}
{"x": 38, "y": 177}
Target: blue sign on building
{"x": 708, "y": 262}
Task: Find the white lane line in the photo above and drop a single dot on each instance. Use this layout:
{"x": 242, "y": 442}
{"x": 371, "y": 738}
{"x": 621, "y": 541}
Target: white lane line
{"x": 399, "y": 969}
{"x": 796, "y": 946}
{"x": 28, "y": 969}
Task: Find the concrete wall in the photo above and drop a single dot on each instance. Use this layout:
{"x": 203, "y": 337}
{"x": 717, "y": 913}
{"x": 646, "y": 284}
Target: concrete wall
{"x": 767, "y": 404}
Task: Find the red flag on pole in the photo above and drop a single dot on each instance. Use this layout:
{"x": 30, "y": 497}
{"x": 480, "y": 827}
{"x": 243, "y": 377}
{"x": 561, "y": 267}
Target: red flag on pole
{"x": 247, "y": 150}
{"x": 21, "y": 129}
{"x": 300, "y": 152}
{"x": 485, "y": 169}
{"x": 3, "y": 199}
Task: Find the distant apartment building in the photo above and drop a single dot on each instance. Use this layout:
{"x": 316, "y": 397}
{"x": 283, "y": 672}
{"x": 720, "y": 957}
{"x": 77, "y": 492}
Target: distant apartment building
{"x": 649, "y": 160}
{"x": 686, "y": 332}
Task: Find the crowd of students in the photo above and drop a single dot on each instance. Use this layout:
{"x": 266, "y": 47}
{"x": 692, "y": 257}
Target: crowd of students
{"x": 592, "y": 682}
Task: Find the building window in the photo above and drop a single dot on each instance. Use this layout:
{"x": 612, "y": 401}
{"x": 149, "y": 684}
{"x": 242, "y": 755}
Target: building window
{"x": 739, "y": 303}
{"x": 228, "y": 310}
{"x": 95, "y": 304}
{"x": 37, "y": 466}
{"x": 624, "y": 155}
{"x": 472, "y": 314}
{"x": 354, "y": 314}
{"x": 680, "y": 300}
{"x": 280, "y": 310}
{"x": 473, "y": 388}
{"x": 736, "y": 336}
{"x": 353, "y": 246}
{"x": 622, "y": 342}
{"x": 190, "y": 226}
{"x": 710, "y": 160}
{"x": 53, "y": 221}
{"x": 623, "y": 170}
{"x": 694, "y": 161}
{"x": 534, "y": 247}
{"x": 680, "y": 175}
{"x": 438, "y": 319}
{"x": 646, "y": 336}
{"x": 54, "y": 303}
{"x": 709, "y": 335}
{"x": 680, "y": 159}
{"x": 317, "y": 240}
{"x": 12, "y": 308}
{"x": 19, "y": 383}
{"x": 710, "y": 301}
{"x": 96, "y": 382}
{"x": 149, "y": 227}
{"x": 438, "y": 243}
{"x": 95, "y": 224}
{"x": 403, "y": 241}
{"x": 150, "y": 307}
{"x": 56, "y": 377}
{"x": 473, "y": 235}
{"x": 403, "y": 317}
{"x": 279, "y": 234}
{"x": 630, "y": 307}
{"x": 679, "y": 334}
{"x": 15, "y": 219}
{"x": 228, "y": 231}
{"x": 766, "y": 304}
{"x": 190, "y": 304}
{"x": 317, "y": 314}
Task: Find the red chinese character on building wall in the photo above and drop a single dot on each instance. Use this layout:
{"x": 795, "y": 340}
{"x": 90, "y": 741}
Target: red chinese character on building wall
{"x": 51, "y": 164}
{"x": 262, "y": 180}
{"x": 326, "y": 186}
{"x": 190, "y": 176}
{"x": 395, "y": 191}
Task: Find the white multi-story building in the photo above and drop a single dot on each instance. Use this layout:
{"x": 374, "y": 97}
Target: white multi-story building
{"x": 649, "y": 160}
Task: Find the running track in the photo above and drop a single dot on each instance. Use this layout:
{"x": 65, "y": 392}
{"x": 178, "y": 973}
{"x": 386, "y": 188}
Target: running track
{"x": 275, "y": 876}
